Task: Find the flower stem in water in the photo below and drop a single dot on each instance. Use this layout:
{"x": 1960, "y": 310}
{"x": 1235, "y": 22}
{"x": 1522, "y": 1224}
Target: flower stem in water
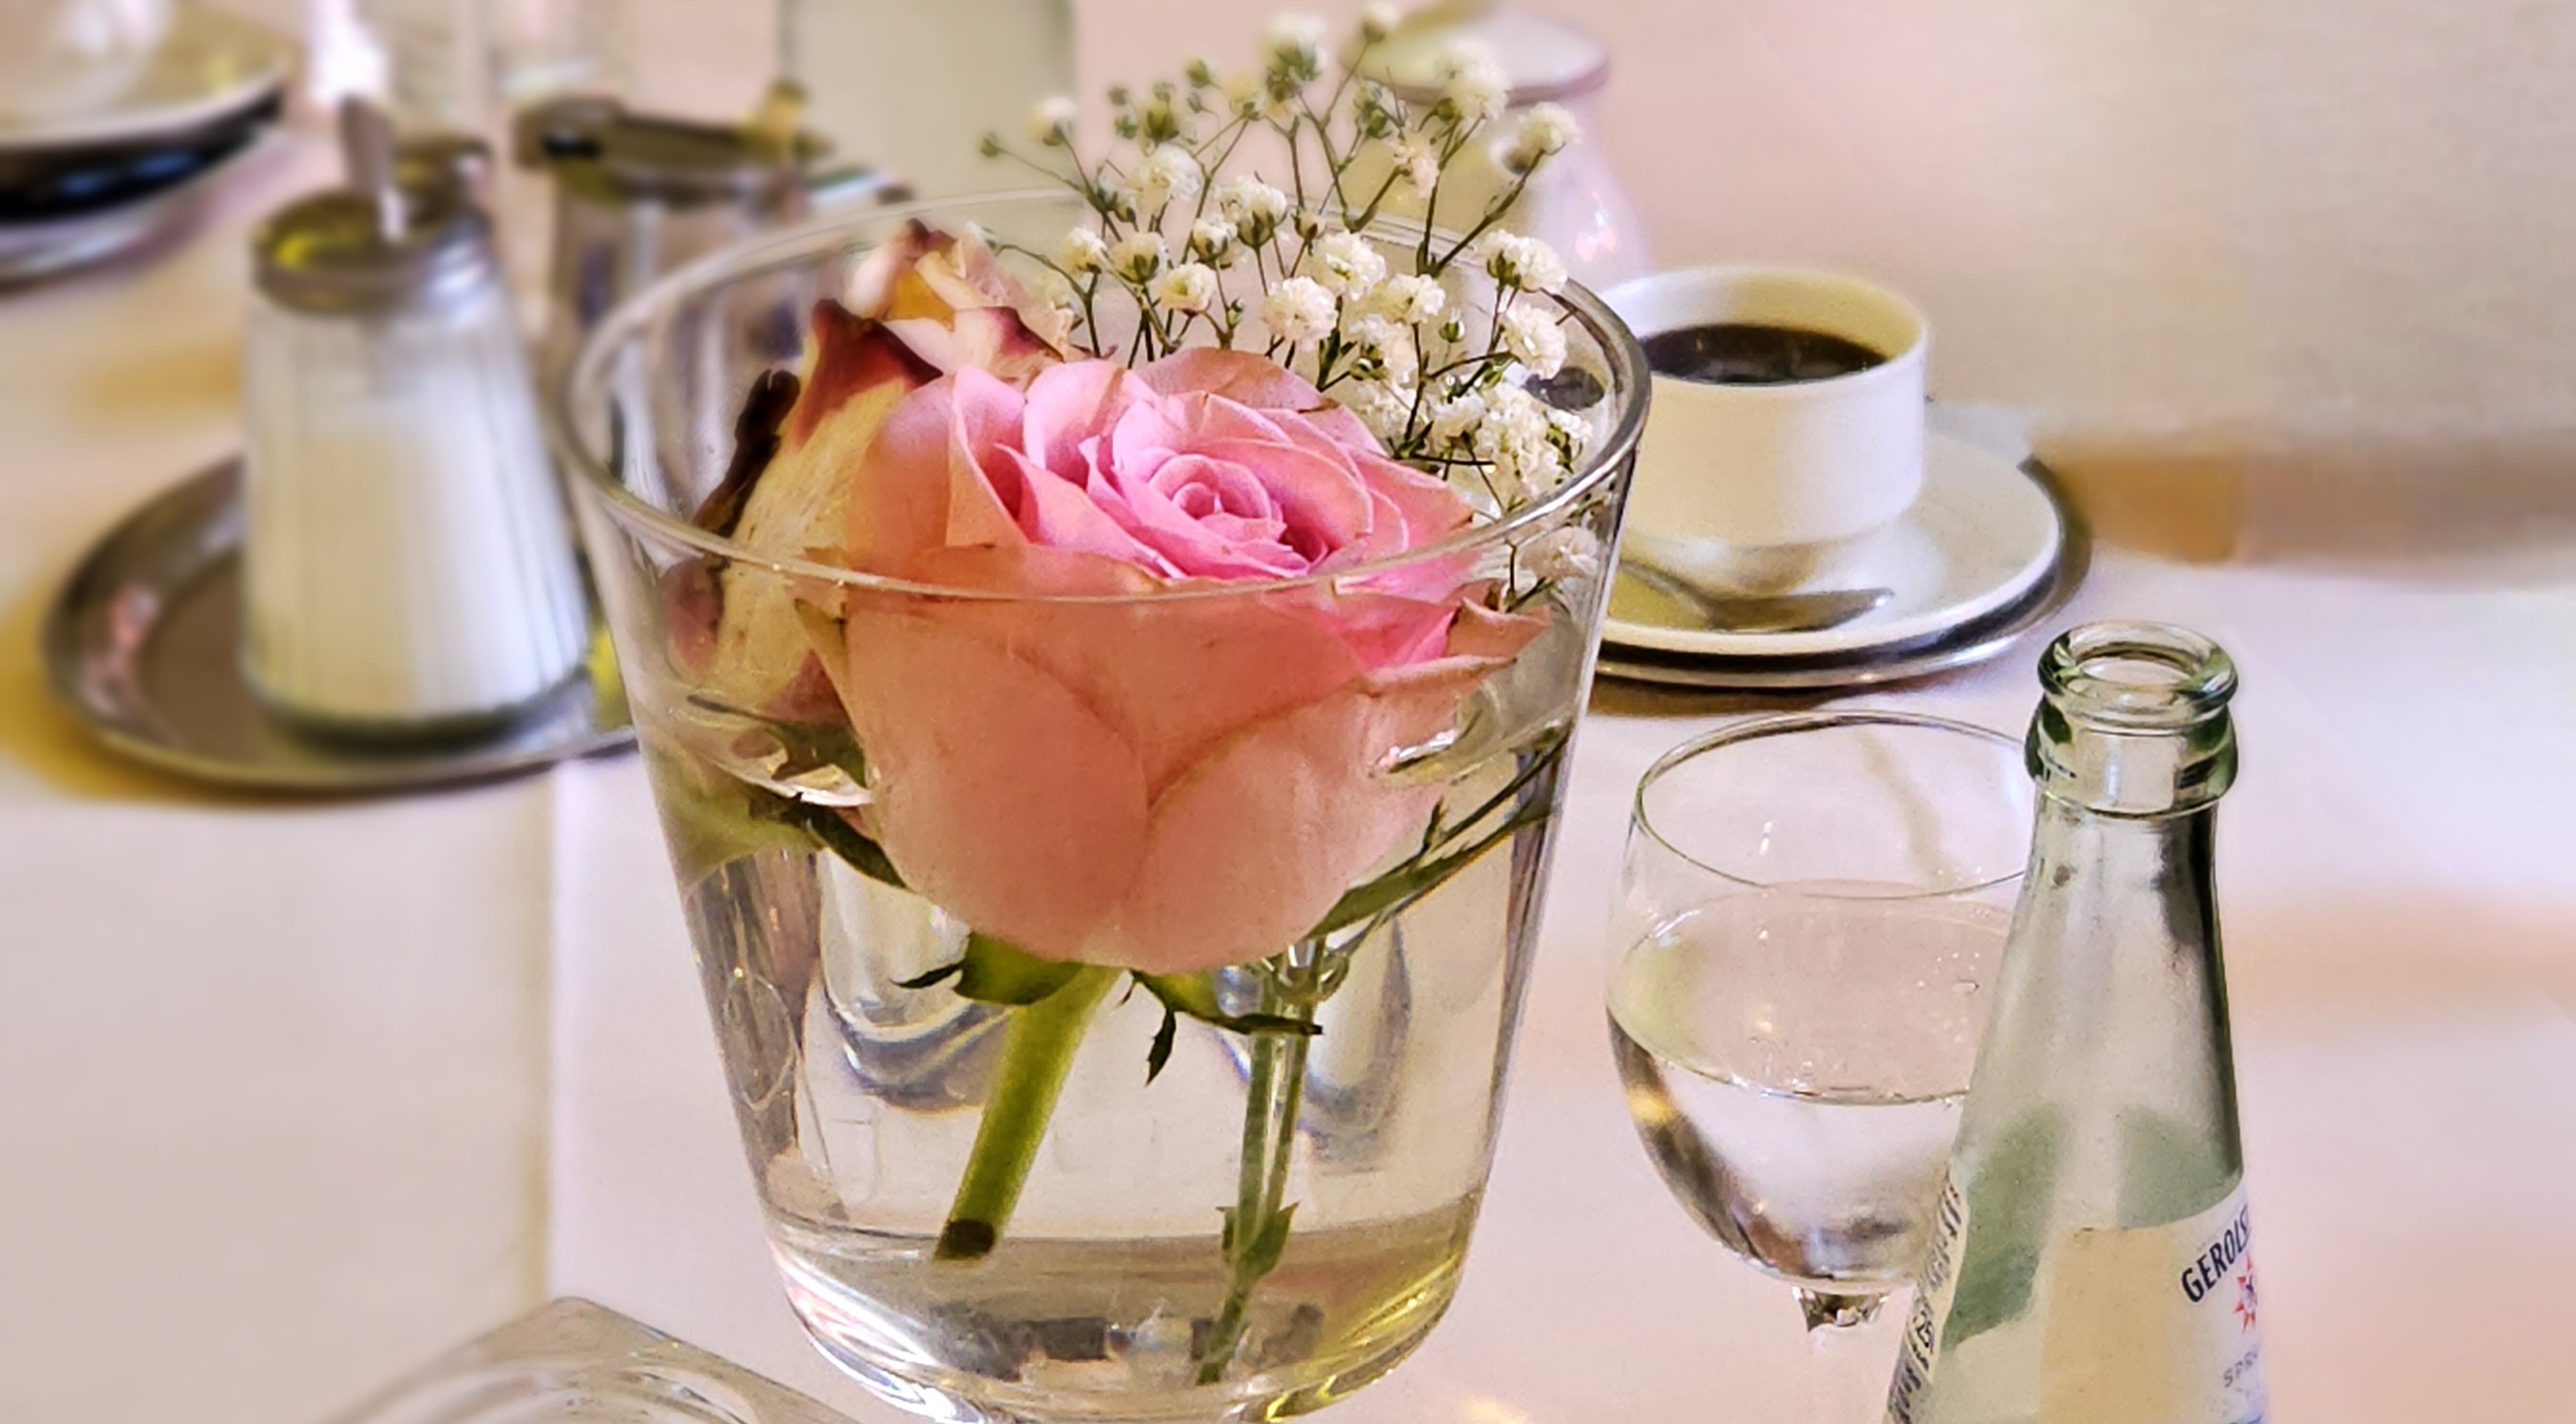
{"x": 1037, "y": 1051}
{"x": 1257, "y": 1229}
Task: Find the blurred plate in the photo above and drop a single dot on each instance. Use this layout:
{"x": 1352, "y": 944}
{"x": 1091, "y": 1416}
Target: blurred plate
{"x": 38, "y": 185}
{"x": 211, "y": 64}
{"x": 142, "y": 644}
{"x": 1980, "y": 538}
{"x": 51, "y": 246}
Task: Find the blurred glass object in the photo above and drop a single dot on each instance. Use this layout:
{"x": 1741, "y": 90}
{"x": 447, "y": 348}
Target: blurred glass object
{"x": 1574, "y": 201}
{"x": 570, "y": 1360}
{"x": 464, "y": 64}
{"x": 909, "y": 86}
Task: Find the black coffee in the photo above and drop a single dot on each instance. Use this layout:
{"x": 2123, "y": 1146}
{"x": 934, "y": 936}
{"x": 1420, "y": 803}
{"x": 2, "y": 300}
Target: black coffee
{"x": 1748, "y": 354}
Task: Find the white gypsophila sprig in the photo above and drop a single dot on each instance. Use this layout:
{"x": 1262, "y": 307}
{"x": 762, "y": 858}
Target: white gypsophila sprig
{"x": 1082, "y": 253}
{"x": 1293, "y": 46}
{"x": 1520, "y": 264}
{"x": 1298, "y": 312}
{"x": 1346, "y": 263}
{"x": 1473, "y": 87}
{"x": 1051, "y": 122}
{"x": 1168, "y": 174}
{"x": 1568, "y": 552}
{"x": 1410, "y": 298}
{"x": 1515, "y": 442}
{"x": 1190, "y": 288}
{"x": 1545, "y": 131}
{"x": 1369, "y": 316}
{"x": 1531, "y": 335}
{"x": 1138, "y": 256}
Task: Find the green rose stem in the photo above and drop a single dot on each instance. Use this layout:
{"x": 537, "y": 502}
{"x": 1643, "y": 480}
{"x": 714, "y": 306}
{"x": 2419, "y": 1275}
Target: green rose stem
{"x": 1037, "y": 1051}
{"x": 1256, "y": 1231}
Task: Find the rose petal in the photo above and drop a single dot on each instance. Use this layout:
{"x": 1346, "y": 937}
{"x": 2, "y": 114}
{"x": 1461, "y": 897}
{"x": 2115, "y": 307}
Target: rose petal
{"x": 851, "y": 354}
{"x": 983, "y": 473}
{"x": 1059, "y": 515}
{"x": 1249, "y": 849}
{"x": 1069, "y": 404}
{"x": 998, "y": 794}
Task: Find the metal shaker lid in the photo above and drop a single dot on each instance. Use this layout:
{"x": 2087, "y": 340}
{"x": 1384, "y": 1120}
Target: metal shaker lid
{"x": 603, "y": 152}
{"x": 1541, "y": 57}
{"x": 376, "y": 244}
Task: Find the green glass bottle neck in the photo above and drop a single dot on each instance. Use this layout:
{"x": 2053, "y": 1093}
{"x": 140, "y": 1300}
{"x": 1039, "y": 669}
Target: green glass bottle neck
{"x": 2134, "y": 722}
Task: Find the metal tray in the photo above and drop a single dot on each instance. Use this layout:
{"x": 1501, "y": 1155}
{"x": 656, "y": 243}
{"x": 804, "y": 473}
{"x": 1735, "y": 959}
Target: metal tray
{"x": 142, "y": 645}
{"x": 1969, "y": 643}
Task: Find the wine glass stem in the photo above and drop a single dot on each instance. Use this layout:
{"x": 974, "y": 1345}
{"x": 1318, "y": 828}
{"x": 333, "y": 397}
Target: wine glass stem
{"x": 1847, "y": 1377}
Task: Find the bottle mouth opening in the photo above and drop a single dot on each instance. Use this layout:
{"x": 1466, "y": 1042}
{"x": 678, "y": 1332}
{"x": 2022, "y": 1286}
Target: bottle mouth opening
{"x": 2137, "y": 675}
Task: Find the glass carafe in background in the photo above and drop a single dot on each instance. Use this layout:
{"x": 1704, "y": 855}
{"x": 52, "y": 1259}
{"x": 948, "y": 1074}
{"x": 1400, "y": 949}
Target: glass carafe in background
{"x": 1574, "y": 202}
{"x": 2095, "y": 1257}
{"x": 910, "y": 86}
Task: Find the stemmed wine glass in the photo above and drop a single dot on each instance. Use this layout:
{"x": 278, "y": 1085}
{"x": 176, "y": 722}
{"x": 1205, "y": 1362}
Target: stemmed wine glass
{"x": 1812, "y": 907}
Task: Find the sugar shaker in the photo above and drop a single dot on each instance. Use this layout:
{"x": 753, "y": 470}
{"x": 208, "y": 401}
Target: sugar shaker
{"x": 408, "y": 567}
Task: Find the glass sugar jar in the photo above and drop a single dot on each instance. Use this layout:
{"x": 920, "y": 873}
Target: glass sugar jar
{"x": 408, "y": 569}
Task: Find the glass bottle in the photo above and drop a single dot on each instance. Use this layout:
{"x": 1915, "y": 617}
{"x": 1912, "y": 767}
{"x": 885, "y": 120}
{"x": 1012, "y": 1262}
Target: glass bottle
{"x": 2092, "y": 1255}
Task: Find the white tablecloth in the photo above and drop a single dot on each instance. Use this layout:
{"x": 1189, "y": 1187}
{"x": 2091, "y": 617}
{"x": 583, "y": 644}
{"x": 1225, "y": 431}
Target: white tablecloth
{"x": 292, "y": 1096}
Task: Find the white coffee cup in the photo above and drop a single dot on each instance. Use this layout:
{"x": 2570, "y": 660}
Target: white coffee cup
{"x": 1763, "y": 487}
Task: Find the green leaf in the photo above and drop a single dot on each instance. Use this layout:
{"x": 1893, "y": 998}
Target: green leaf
{"x": 834, "y": 830}
{"x": 1161, "y": 1053}
{"x": 1195, "y": 995}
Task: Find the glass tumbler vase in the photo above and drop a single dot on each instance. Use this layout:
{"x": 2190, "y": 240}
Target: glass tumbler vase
{"x": 1256, "y": 1182}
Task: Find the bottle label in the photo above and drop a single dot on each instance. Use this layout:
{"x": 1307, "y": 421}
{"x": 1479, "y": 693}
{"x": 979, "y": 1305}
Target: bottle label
{"x": 2152, "y": 1322}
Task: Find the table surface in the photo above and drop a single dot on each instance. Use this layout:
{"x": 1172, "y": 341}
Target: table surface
{"x": 296, "y": 1095}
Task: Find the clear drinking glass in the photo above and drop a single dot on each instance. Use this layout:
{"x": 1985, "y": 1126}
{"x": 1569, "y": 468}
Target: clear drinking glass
{"x": 1813, "y": 907}
{"x": 1276, "y": 1216}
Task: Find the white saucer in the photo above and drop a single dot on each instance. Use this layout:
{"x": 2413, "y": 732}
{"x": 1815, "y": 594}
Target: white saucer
{"x": 1982, "y": 535}
{"x": 211, "y": 65}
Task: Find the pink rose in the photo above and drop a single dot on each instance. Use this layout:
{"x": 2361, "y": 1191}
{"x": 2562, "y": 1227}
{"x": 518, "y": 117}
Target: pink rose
{"x": 1170, "y": 783}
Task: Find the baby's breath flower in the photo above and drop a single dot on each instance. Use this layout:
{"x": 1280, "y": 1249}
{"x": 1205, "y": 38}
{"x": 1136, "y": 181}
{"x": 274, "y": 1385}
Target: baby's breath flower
{"x": 1166, "y": 174}
{"x": 1569, "y": 434}
{"x": 1410, "y": 298}
{"x": 1514, "y": 441}
{"x": 1386, "y": 349}
{"x": 1378, "y": 20}
{"x": 1546, "y": 129}
{"x": 1082, "y": 252}
{"x": 1453, "y": 421}
{"x": 1190, "y": 287}
{"x": 1346, "y": 264}
{"x": 1418, "y": 162}
{"x": 1298, "y": 311}
{"x": 1294, "y": 46}
{"x": 1568, "y": 552}
{"x": 1385, "y": 407}
{"x": 1522, "y": 264}
{"x": 1139, "y": 255}
{"x": 1212, "y": 240}
{"x": 1254, "y": 207}
{"x": 1051, "y": 122}
{"x": 1472, "y": 83}
{"x": 1534, "y": 339}
{"x": 1244, "y": 94}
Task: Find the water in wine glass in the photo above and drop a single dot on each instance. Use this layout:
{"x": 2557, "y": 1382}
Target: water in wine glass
{"x": 1795, "y": 1062}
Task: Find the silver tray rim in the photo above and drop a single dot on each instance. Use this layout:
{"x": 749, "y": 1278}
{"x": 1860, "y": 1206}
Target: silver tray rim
{"x": 197, "y": 507}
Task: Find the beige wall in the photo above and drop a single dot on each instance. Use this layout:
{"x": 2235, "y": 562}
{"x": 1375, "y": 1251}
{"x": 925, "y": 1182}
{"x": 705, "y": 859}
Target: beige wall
{"x": 2128, "y": 212}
